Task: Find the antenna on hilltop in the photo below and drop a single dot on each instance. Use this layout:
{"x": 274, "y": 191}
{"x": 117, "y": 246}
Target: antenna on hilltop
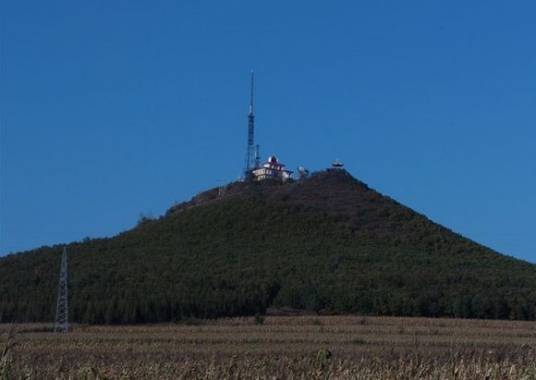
{"x": 62, "y": 306}
{"x": 257, "y": 156}
{"x": 251, "y": 92}
{"x": 250, "y": 153}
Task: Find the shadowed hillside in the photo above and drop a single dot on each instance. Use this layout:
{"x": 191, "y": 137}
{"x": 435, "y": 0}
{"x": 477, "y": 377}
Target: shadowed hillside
{"x": 327, "y": 244}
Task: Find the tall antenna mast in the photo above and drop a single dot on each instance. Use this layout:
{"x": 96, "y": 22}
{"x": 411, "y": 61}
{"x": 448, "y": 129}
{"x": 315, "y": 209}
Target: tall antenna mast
{"x": 251, "y": 93}
{"x": 62, "y": 306}
{"x": 257, "y": 156}
{"x": 250, "y": 153}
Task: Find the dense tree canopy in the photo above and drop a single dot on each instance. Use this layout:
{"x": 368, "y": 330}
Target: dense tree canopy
{"x": 326, "y": 243}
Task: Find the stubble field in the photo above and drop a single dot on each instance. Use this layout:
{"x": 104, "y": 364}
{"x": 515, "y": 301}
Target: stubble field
{"x": 301, "y": 347}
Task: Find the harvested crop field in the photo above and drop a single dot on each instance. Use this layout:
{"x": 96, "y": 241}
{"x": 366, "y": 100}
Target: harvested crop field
{"x": 303, "y": 347}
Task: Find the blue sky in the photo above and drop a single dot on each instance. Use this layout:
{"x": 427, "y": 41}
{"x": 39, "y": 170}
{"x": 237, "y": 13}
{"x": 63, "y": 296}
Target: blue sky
{"x": 110, "y": 109}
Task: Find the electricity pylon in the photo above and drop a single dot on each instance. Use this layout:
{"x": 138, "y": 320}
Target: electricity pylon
{"x": 62, "y": 306}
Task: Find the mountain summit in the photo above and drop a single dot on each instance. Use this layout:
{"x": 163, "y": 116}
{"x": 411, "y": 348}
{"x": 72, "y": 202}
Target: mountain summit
{"x": 326, "y": 243}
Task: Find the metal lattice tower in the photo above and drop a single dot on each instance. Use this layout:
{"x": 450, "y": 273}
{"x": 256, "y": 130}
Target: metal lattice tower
{"x": 250, "y": 153}
{"x": 62, "y": 306}
{"x": 257, "y": 156}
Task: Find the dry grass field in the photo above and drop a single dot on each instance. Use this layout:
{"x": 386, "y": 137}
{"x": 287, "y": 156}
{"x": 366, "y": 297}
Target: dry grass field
{"x": 304, "y": 347}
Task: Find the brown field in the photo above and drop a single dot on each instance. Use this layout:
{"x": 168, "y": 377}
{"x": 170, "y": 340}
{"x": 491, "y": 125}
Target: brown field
{"x": 301, "y": 347}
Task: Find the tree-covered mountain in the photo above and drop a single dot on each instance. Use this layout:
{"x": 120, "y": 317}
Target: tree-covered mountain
{"x": 327, "y": 243}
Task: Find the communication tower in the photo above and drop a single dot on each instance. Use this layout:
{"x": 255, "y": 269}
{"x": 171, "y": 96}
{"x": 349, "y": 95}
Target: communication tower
{"x": 257, "y": 156}
{"x": 250, "y": 153}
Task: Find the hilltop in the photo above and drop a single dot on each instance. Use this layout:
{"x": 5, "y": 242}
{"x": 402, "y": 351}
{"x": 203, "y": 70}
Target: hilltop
{"x": 326, "y": 244}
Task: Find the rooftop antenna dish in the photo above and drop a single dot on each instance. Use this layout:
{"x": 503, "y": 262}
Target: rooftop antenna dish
{"x": 302, "y": 172}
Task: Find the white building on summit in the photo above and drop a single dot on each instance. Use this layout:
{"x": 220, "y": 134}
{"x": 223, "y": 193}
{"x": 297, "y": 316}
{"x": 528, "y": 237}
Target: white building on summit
{"x": 271, "y": 169}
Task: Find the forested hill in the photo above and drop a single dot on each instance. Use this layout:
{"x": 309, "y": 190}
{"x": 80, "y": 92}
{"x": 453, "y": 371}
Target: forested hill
{"x": 327, "y": 243}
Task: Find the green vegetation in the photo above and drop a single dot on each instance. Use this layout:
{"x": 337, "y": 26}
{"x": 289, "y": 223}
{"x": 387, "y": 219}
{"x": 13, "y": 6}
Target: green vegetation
{"x": 326, "y": 244}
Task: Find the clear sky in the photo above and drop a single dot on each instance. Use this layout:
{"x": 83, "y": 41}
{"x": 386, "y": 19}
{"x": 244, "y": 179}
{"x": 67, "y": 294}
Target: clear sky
{"x": 110, "y": 109}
